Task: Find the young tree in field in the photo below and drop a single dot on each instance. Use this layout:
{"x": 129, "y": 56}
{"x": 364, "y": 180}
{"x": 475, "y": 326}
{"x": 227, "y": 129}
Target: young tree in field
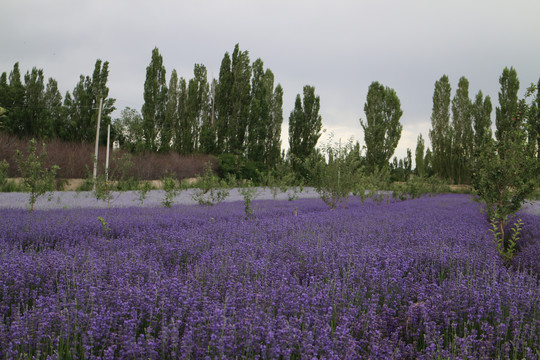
{"x": 382, "y": 129}
{"x": 155, "y": 101}
{"x": 419, "y": 156}
{"x": 508, "y": 101}
{"x": 171, "y": 114}
{"x": 504, "y": 175}
{"x": 481, "y": 117}
{"x": 462, "y": 132}
{"x": 440, "y": 133}
{"x": 36, "y": 178}
{"x": 305, "y": 126}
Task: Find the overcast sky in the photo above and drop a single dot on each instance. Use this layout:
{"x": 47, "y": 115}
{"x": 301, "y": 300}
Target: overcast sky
{"x": 338, "y": 46}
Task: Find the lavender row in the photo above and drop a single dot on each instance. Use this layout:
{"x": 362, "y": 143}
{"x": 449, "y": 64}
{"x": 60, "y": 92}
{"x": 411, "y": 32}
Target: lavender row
{"x": 405, "y": 280}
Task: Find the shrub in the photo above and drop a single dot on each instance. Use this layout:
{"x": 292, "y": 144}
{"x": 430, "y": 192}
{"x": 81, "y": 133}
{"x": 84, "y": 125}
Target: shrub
{"x": 337, "y": 177}
{"x": 37, "y": 180}
{"x": 211, "y": 190}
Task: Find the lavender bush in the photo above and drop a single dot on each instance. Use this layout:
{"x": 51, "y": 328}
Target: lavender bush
{"x": 406, "y": 280}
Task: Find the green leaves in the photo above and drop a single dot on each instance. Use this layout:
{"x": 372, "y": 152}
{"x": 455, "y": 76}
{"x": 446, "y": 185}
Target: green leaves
{"x": 382, "y": 129}
{"x": 37, "y": 179}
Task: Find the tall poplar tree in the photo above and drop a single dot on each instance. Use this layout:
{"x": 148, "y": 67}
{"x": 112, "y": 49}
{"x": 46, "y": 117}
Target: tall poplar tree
{"x": 182, "y": 115}
{"x": 240, "y": 100}
{"x": 14, "y": 103}
{"x": 259, "y": 115}
{"x": 82, "y": 106}
{"x": 481, "y": 117}
{"x": 155, "y": 101}
{"x": 419, "y": 156}
{"x": 508, "y": 101}
{"x": 197, "y": 109}
{"x": 36, "y": 123}
{"x": 382, "y": 129}
{"x": 54, "y": 108}
{"x": 273, "y": 139}
{"x": 223, "y": 104}
{"x": 171, "y": 114}
{"x": 463, "y": 136}
{"x": 440, "y": 133}
{"x": 305, "y": 126}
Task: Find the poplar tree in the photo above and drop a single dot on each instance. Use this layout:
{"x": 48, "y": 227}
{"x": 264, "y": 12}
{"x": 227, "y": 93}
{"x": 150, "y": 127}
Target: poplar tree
{"x": 240, "y": 100}
{"x": 481, "y": 117}
{"x": 14, "y": 103}
{"x": 82, "y": 106}
{"x": 305, "y": 126}
{"x": 171, "y": 114}
{"x": 155, "y": 100}
{"x": 440, "y": 133}
{"x": 419, "y": 156}
{"x": 273, "y": 139}
{"x": 182, "y": 114}
{"x": 197, "y": 109}
{"x": 259, "y": 115}
{"x": 462, "y": 131}
{"x": 35, "y": 124}
{"x": 53, "y": 107}
{"x": 382, "y": 129}
{"x": 508, "y": 102}
{"x": 223, "y": 104}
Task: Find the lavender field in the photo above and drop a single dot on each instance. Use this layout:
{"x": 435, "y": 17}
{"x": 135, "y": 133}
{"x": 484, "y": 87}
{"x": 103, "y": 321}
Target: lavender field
{"x": 419, "y": 279}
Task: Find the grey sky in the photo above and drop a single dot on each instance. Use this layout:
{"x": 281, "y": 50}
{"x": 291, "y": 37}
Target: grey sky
{"x": 338, "y": 46}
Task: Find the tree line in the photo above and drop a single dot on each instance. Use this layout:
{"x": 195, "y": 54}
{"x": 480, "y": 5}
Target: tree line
{"x": 238, "y": 118}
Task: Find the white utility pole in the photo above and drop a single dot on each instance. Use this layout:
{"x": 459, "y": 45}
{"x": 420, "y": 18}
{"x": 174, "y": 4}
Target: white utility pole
{"x": 97, "y": 143}
{"x": 107, "y": 159}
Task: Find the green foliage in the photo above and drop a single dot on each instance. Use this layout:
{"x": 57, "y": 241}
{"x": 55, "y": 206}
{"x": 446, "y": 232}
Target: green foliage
{"x": 4, "y": 167}
{"x": 305, "y": 126}
{"x": 129, "y": 130}
{"x": 505, "y": 171}
{"x": 374, "y": 185}
{"x": 211, "y": 189}
{"x": 170, "y": 188}
{"x": 441, "y": 132}
{"x": 103, "y": 188}
{"x": 155, "y": 99}
{"x": 462, "y": 133}
{"x": 337, "y": 177}
{"x": 419, "y": 157}
{"x": 382, "y": 129}
{"x": 142, "y": 191}
{"x": 104, "y": 225}
{"x": 82, "y": 106}
{"x": 114, "y": 178}
{"x": 506, "y": 247}
{"x": 249, "y": 193}
{"x": 37, "y": 179}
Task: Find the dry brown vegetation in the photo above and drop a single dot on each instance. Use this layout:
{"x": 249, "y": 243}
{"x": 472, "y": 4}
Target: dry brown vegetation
{"x": 76, "y": 160}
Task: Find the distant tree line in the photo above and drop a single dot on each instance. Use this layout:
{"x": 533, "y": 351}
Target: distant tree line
{"x": 462, "y": 126}
{"x": 238, "y": 118}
